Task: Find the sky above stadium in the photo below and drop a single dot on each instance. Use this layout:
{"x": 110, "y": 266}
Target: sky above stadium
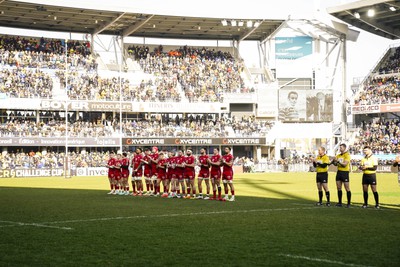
{"x": 361, "y": 57}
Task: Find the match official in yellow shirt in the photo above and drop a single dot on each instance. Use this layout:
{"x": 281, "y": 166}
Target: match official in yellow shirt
{"x": 321, "y": 163}
{"x": 368, "y": 165}
{"x": 342, "y": 161}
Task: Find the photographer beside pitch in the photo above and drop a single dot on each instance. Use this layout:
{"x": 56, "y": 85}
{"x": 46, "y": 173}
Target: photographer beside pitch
{"x": 342, "y": 161}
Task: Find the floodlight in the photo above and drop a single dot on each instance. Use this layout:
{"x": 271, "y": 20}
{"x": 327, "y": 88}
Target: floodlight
{"x": 357, "y": 15}
{"x": 392, "y": 8}
{"x": 240, "y": 23}
{"x": 249, "y": 24}
{"x": 371, "y": 12}
{"x": 256, "y": 24}
{"x": 233, "y": 23}
{"x": 224, "y": 22}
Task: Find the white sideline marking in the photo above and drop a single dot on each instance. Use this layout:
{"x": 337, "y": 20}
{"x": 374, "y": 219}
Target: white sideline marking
{"x": 323, "y": 260}
{"x": 300, "y": 204}
{"x": 174, "y": 215}
{"x": 12, "y": 224}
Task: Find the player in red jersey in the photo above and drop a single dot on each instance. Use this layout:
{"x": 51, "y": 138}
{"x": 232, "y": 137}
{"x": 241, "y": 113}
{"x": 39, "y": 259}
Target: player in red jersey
{"x": 117, "y": 172}
{"x": 171, "y": 176}
{"x": 124, "y": 174}
{"x": 179, "y": 171}
{"x": 161, "y": 174}
{"x": 215, "y": 174}
{"x": 204, "y": 173}
{"x": 137, "y": 172}
{"x": 190, "y": 174}
{"x": 146, "y": 161}
{"x": 111, "y": 165}
{"x": 227, "y": 173}
{"x": 154, "y": 159}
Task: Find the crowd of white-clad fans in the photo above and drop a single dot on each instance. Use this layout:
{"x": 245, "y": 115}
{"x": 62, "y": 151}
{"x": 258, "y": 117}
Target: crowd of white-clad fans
{"x": 155, "y": 126}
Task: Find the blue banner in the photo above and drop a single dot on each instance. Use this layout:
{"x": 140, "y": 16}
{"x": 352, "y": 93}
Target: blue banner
{"x": 293, "y": 47}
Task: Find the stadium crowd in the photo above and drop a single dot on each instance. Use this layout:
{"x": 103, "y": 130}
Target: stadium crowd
{"x": 39, "y": 160}
{"x": 45, "y": 45}
{"x": 90, "y": 86}
{"x": 21, "y": 82}
{"x": 385, "y": 87}
{"x": 46, "y": 60}
{"x": 204, "y": 74}
{"x": 199, "y": 126}
{"x": 392, "y": 65}
{"x": 382, "y": 136}
{"x": 380, "y": 90}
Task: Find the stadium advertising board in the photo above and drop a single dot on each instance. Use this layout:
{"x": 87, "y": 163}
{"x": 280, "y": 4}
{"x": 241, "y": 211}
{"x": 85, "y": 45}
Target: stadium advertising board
{"x": 200, "y": 107}
{"x": 90, "y": 171}
{"x": 59, "y": 141}
{"x": 267, "y": 102}
{"x": 18, "y": 173}
{"x": 290, "y": 48}
{"x": 305, "y": 105}
{"x": 380, "y": 169}
{"x": 193, "y": 141}
{"x": 375, "y": 108}
{"x": 363, "y": 109}
{"x": 83, "y": 105}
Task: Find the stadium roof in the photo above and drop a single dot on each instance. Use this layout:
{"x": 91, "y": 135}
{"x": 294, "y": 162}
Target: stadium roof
{"x": 56, "y": 17}
{"x": 384, "y": 20}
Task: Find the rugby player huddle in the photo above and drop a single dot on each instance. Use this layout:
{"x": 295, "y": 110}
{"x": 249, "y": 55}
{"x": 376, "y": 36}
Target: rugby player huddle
{"x": 174, "y": 171}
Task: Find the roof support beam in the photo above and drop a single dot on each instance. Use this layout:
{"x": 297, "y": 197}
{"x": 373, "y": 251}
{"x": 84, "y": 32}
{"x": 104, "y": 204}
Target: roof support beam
{"x": 243, "y": 37}
{"x": 272, "y": 35}
{"x": 373, "y": 24}
{"x": 106, "y": 25}
{"x": 131, "y": 29}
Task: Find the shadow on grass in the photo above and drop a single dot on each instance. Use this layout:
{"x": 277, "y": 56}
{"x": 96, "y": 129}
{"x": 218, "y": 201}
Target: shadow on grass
{"x": 17, "y": 201}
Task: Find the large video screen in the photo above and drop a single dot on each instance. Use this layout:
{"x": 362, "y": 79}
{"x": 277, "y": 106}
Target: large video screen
{"x": 305, "y": 105}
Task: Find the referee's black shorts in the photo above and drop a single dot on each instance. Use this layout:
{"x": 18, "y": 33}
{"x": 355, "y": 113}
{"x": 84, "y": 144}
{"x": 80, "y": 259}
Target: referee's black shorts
{"x": 342, "y": 176}
{"x": 369, "y": 179}
{"x": 322, "y": 177}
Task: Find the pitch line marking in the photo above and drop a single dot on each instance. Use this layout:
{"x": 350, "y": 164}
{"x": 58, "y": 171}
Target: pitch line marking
{"x": 322, "y": 260}
{"x": 174, "y": 215}
{"x": 13, "y": 224}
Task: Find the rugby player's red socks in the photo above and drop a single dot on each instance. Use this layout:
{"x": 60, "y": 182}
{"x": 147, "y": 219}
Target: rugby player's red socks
{"x": 233, "y": 192}
{"x": 214, "y": 194}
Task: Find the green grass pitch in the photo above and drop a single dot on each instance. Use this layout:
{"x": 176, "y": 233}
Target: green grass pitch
{"x": 273, "y": 222}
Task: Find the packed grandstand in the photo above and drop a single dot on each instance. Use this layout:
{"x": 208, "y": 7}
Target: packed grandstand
{"x": 45, "y": 68}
